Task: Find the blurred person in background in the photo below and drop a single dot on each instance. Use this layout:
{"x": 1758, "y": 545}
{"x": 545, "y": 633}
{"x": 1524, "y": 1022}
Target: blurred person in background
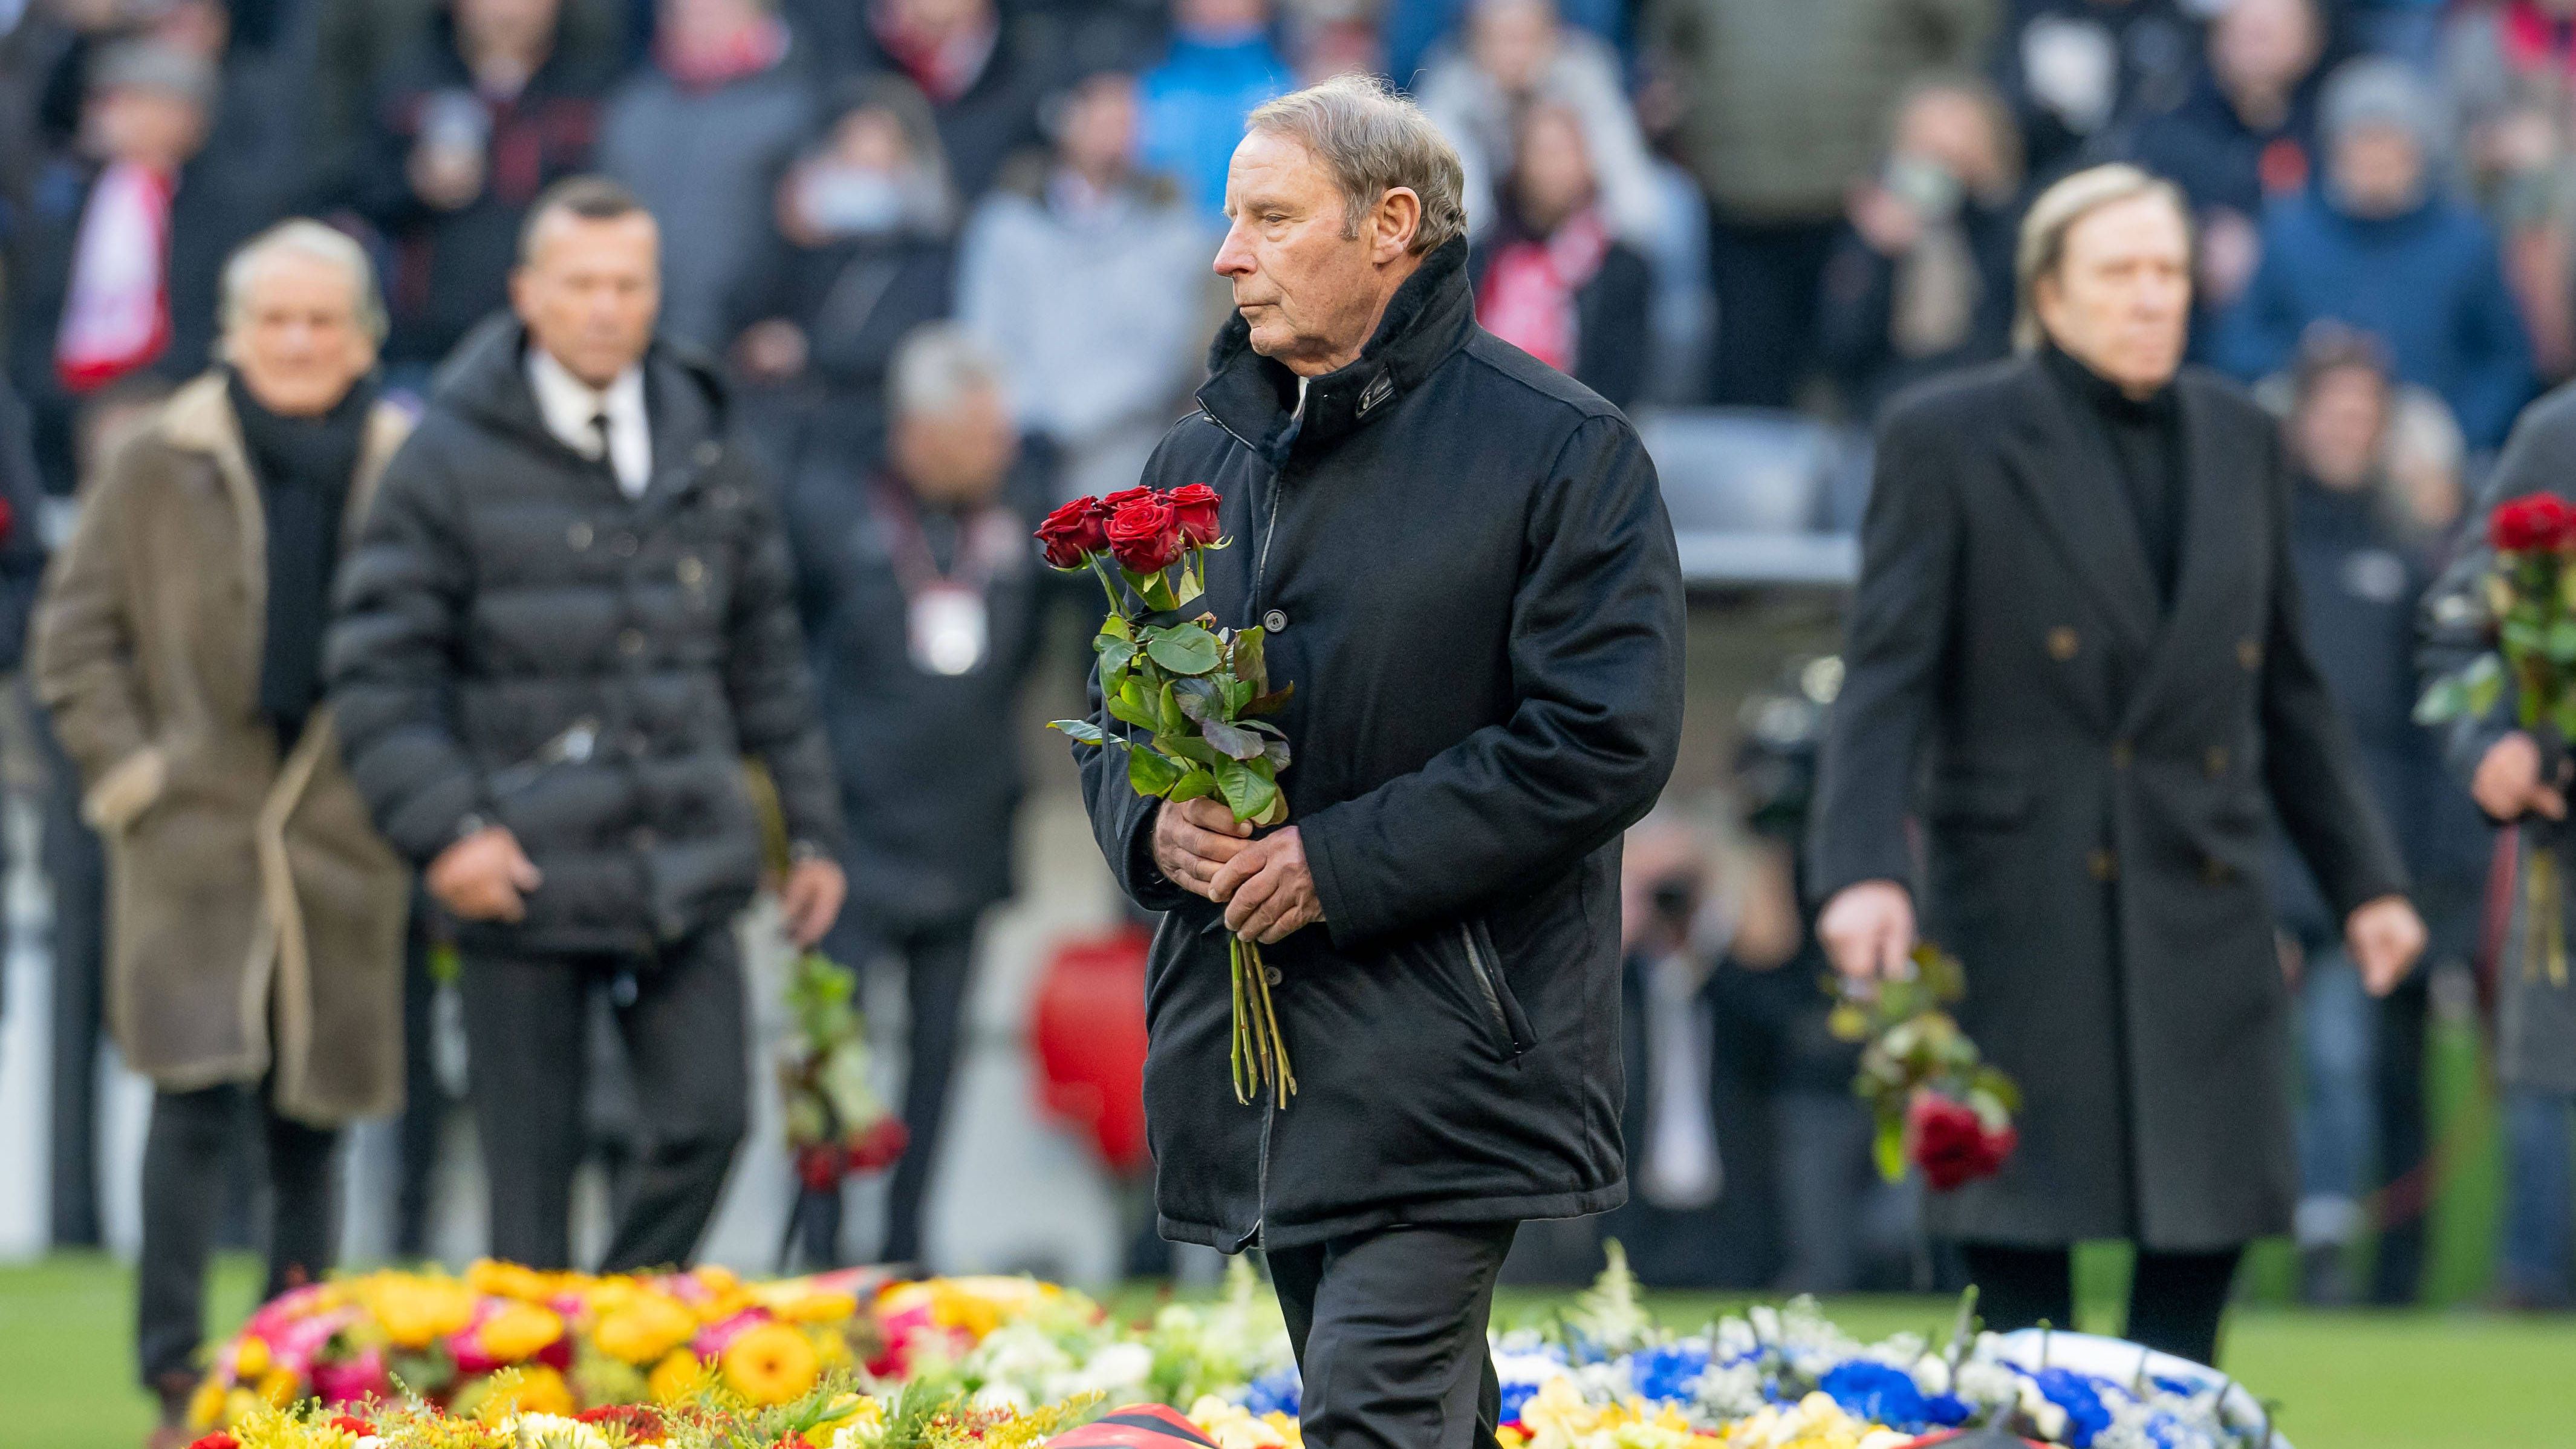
{"x": 116, "y": 265}
{"x": 2378, "y": 245}
{"x": 2506, "y": 69}
{"x": 569, "y": 620}
{"x": 486, "y": 110}
{"x": 861, "y": 249}
{"x": 968, "y": 61}
{"x": 1090, "y": 278}
{"x": 701, "y": 135}
{"x": 1219, "y": 65}
{"x": 2244, "y": 136}
{"x": 1782, "y": 109}
{"x": 2363, "y": 557}
{"x": 2074, "y": 70}
{"x": 258, "y": 917}
{"x": 1512, "y": 55}
{"x": 1415, "y": 29}
{"x": 1551, "y": 276}
{"x": 921, "y": 600}
{"x": 1921, "y": 280}
{"x": 2076, "y": 658}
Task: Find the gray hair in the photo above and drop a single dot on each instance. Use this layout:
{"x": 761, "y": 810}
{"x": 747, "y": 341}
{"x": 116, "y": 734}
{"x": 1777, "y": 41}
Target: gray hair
{"x": 304, "y": 237}
{"x": 2054, "y": 214}
{"x": 939, "y": 365}
{"x": 1373, "y": 139}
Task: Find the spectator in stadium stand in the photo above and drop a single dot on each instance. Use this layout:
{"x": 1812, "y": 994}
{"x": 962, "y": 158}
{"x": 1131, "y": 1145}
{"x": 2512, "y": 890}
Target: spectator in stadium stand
{"x": 1220, "y": 65}
{"x": 1415, "y": 29}
{"x": 1090, "y": 277}
{"x": 258, "y": 920}
{"x": 2505, "y": 70}
{"x": 1783, "y": 108}
{"x": 115, "y": 266}
{"x": 2378, "y": 245}
{"x": 1551, "y": 277}
{"x": 861, "y": 249}
{"x": 486, "y": 111}
{"x": 1516, "y": 52}
{"x": 968, "y": 60}
{"x": 922, "y": 603}
{"x": 701, "y": 135}
{"x": 569, "y": 619}
{"x": 2076, "y": 69}
{"x": 2244, "y": 136}
{"x": 1921, "y": 280}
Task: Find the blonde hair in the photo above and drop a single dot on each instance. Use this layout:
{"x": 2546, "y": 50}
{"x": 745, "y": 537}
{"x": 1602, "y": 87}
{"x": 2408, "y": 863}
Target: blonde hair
{"x": 2055, "y": 213}
{"x": 1373, "y": 140}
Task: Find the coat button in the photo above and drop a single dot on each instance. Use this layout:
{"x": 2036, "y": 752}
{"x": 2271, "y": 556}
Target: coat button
{"x": 578, "y": 536}
{"x": 692, "y": 572}
{"x": 643, "y": 838}
{"x": 1274, "y": 621}
{"x": 2123, "y": 754}
{"x": 2062, "y": 643}
{"x": 2213, "y": 761}
{"x": 2249, "y": 653}
{"x": 708, "y": 452}
{"x": 625, "y": 545}
{"x": 636, "y": 745}
{"x": 630, "y": 642}
{"x": 2103, "y": 865}
{"x": 1273, "y": 975}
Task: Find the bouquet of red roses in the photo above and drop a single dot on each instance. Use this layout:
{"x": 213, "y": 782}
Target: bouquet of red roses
{"x": 1938, "y": 1103}
{"x": 2530, "y": 604}
{"x": 1192, "y": 696}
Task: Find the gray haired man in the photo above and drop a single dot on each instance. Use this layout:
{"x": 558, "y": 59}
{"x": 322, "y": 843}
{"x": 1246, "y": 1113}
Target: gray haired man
{"x": 1461, "y": 560}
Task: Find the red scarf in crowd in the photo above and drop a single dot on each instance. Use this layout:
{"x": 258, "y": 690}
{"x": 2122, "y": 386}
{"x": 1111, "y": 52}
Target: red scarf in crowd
{"x": 1529, "y": 295}
{"x": 116, "y": 318}
{"x": 2534, "y": 39}
{"x": 751, "y": 51}
{"x": 944, "y": 66}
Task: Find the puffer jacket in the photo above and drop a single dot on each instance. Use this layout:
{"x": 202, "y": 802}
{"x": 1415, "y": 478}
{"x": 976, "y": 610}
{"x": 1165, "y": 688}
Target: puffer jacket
{"x": 1463, "y": 564}
{"x": 518, "y": 643}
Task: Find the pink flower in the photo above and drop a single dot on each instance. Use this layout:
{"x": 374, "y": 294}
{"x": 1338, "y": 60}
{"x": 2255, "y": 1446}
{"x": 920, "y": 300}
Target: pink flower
{"x": 355, "y": 1381}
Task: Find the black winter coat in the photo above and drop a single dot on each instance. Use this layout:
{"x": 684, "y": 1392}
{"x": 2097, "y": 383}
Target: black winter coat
{"x": 2092, "y": 776}
{"x": 1466, "y": 568}
{"x": 518, "y": 643}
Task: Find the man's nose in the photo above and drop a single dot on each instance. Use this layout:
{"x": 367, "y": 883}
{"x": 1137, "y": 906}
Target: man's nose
{"x": 1233, "y": 256}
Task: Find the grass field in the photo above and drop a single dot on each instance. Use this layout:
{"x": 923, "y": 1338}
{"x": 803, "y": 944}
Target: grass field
{"x": 2432, "y": 1380}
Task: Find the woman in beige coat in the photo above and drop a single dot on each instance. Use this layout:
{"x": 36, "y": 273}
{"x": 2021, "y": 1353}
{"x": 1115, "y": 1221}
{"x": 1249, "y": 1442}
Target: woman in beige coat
{"x": 255, "y": 918}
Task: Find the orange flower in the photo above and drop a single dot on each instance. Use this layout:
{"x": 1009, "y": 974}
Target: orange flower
{"x": 771, "y": 1363}
{"x": 646, "y": 1328}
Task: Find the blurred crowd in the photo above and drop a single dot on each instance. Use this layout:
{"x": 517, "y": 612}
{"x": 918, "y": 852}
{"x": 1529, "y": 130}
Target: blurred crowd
{"x": 1684, "y": 203}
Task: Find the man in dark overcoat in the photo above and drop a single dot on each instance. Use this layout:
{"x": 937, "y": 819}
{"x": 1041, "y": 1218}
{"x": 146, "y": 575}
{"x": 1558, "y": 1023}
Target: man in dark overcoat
{"x": 1461, "y": 560}
{"x": 2075, "y": 661}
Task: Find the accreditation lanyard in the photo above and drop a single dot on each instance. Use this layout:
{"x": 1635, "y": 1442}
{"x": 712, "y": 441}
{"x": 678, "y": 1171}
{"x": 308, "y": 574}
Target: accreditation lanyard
{"x": 947, "y": 615}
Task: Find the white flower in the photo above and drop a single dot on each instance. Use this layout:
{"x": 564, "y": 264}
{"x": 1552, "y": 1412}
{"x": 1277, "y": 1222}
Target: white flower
{"x": 1117, "y": 1372}
{"x": 552, "y": 1431}
{"x": 1727, "y": 1392}
{"x": 1002, "y": 1395}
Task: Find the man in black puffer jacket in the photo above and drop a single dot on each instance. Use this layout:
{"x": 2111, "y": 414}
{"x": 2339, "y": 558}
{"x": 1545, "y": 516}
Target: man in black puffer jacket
{"x": 570, "y": 617}
{"x": 1462, "y": 562}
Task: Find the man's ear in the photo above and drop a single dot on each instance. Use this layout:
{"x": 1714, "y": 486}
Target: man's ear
{"x": 1397, "y": 220}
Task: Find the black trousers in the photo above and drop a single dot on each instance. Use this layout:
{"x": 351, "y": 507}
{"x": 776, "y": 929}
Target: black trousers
{"x": 187, "y": 1154}
{"x": 1767, "y": 276}
{"x": 2175, "y": 1299}
{"x": 680, "y": 1016}
{"x": 1389, "y": 1330}
{"x": 77, "y": 873}
{"x": 938, "y": 975}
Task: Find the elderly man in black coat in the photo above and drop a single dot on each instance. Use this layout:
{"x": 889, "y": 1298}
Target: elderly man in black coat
{"x": 2076, "y": 659}
{"x": 1462, "y": 562}
{"x": 570, "y": 617}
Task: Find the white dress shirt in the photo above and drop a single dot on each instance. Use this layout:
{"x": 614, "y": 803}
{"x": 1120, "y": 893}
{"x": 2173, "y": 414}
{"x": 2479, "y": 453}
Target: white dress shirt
{"x": 570, "y": 405}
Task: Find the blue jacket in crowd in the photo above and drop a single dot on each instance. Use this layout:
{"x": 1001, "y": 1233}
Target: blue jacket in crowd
{"x": 2426, "y": 282}
{"x": 1194, "y": 105}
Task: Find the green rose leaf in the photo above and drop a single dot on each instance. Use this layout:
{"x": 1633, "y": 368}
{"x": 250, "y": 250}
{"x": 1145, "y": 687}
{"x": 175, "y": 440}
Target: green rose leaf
{"x": 1232, "y": 740}
{"x": 1270, "y": 703}
{"x": 1185, "y": 747}
{"x": 1194, "y": 785}
{"x": 1150, "y": 773}
{"x": 1124, "y": 708}
{"x": 1246, "y": 793}
{"x": 1185, "y": 649}
{"x": 1197, "y": 697}
{"x": 1081, "y": 729}
{"x": 2483, "y": 682}
{"x": 1276, "y": 752}
{"x": 1250, "y": 662}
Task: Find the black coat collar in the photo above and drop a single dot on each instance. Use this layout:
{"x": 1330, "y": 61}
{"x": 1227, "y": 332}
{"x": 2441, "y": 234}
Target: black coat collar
{"x": 1255, "y": 398}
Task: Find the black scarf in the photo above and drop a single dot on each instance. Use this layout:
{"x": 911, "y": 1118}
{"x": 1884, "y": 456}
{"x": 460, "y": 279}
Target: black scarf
{"x": 304, "y": 466}
{"x": 2145, "y": 438}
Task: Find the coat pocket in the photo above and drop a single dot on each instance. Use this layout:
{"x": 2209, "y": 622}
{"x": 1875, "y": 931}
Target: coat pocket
{"x": 1503, "y": 1012}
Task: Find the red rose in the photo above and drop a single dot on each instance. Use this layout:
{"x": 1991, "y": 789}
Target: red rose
{"x": 1110, "y": 505}
{"x": 879, "y": 1145}
{"x": 1950, "y": 1142}
{"x": 2534, "y": 523}
{"x": 1145, "y": 535}
{"x": 1072, "y": 533}
{"x": 1197, "y": 505}
{"x": 217, "y": 1440}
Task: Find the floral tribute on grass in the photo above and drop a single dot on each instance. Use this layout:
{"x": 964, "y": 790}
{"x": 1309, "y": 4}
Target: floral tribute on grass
{"x": 849, "y": 1361}
{"x": 1194, "y": 697}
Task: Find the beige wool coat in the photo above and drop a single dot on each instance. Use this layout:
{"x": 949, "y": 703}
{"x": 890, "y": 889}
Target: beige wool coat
{"x": 255, "y": 918}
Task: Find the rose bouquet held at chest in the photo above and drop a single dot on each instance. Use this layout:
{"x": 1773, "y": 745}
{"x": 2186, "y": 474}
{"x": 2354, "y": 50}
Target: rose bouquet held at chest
{"x": 1185, "y": 700}
{"x": 2529, "y": 600}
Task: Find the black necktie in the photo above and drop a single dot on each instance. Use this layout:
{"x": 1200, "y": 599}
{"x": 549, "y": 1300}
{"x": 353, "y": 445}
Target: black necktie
{"x": 599, "y": 429}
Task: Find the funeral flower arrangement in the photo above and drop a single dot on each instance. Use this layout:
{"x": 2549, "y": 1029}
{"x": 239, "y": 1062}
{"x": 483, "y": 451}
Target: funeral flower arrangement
{"x": 503, "y": 1358}
{"x": 1196, "y": 691}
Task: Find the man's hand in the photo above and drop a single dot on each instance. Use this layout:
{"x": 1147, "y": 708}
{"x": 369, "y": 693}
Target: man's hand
{"x": 2508, "y": 785}
{"x": 483, "y": 876}
{"x": 1193, "y": 839}
{"x": 2384, "y": 936}
{"x": 1266, "y": 889}
{"x": 811, "y": 899}
{"x": 1868, "y": 930}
